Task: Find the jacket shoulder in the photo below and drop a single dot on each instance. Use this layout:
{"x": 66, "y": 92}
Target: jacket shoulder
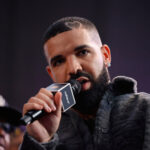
{"x": 128, "y": 120}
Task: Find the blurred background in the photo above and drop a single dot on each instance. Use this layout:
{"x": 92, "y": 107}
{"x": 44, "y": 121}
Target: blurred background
{"x": 123, "y": 24}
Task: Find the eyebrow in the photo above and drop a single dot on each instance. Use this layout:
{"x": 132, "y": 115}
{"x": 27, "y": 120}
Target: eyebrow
{"x": 81, "y": 47}
{"x": 78, "y": 48}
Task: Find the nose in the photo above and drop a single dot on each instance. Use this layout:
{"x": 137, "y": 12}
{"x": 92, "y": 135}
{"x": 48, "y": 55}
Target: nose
{"x": 73, "y": 65}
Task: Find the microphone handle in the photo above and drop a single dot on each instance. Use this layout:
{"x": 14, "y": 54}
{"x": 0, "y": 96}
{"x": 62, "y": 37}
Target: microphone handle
{"x": 30, "y": 116}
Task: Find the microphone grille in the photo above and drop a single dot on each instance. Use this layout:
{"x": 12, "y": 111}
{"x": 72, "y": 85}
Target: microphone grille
{"x": 76, "y": 86}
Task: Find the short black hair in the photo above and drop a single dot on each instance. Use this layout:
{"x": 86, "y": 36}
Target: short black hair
{"x": 66, "y": 24}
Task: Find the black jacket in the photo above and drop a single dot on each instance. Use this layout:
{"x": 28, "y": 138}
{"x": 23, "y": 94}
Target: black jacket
{"x": 122, "y": 123}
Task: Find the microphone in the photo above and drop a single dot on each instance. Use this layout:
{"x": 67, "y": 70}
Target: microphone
{"x": 68, "y": 90}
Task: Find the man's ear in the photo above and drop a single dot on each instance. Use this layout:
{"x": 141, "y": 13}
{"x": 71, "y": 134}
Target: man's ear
{"x": 107, "y": 55}
{"x": 48, "y": 69}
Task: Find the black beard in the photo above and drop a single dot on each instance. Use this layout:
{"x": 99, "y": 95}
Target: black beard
{"x": 87, "y": 102}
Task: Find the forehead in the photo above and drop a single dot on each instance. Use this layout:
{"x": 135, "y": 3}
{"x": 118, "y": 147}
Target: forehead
{"x": 71, "y": 39}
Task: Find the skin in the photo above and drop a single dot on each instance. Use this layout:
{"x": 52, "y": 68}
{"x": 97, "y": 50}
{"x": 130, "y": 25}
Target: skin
{"x": 66, "y": 53}
{"x": 4, "y": 140}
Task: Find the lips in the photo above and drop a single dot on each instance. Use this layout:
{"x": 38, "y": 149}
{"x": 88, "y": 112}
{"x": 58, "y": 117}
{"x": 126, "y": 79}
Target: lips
{"x": 82, "y": 79}
{"x": 85, "y": 83}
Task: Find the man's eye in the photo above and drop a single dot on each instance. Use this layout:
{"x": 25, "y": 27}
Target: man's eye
{"x": 83, "y": 52}
{"x": 58, "y": 62}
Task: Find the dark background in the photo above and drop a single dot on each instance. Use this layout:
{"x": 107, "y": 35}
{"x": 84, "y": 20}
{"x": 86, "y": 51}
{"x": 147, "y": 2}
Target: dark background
{"x": 123, "y": 24}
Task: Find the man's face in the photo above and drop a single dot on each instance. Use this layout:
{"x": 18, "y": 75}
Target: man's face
{"x": 74, "y": 51}
{"x": 4, "y": 139}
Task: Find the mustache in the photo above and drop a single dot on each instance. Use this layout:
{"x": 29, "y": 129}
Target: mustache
{"x": 81, "y": 74}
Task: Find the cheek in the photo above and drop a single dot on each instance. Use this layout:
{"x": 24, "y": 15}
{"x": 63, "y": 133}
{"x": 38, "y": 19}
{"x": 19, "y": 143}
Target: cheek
{"x": 7, "y": 139}
{"x": 59, "y": 75}
{"x": 96, "y": 67}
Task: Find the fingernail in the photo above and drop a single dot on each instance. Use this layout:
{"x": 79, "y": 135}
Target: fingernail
{"x": 48, "y": 109}
{"x": 54, "y": 108}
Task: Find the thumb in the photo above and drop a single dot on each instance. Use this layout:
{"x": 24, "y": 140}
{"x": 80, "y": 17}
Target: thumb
{"x": 58, "y": 103}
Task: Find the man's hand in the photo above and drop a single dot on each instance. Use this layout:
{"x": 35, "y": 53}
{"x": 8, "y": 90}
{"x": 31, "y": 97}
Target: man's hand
{"x": 44, "y": 128}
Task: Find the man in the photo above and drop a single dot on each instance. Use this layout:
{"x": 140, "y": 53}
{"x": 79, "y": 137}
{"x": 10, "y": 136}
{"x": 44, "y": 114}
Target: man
{"x": 107, "y": 115}
{"x": 9, "y": 119}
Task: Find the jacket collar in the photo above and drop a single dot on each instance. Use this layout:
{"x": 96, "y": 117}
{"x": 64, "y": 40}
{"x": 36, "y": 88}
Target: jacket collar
{"x": 123, "y": 85}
